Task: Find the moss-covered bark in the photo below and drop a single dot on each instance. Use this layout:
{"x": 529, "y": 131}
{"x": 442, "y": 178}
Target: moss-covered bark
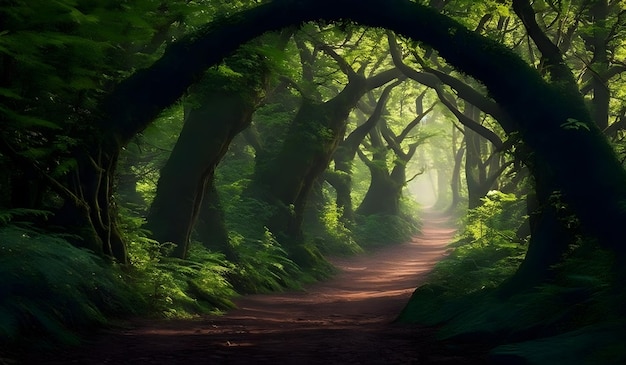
{"x": 203, "y": 141}
{"x": 285, "y": 179}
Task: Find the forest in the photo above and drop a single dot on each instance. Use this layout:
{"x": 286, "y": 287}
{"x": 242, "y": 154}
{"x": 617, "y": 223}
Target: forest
{"x": 160, "y": 159}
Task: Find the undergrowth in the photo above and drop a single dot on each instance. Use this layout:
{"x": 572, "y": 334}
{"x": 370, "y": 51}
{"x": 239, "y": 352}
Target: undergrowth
{"x": 382, "y": 229}
{"x": 50, "y": 287}
{"x": 263, "y": 266}
{"x": 54, "y": 290}
{"x": 486, "y": 251}
{"x": 575, "y": 318}
{"x": 330, "y": 233}
{"x": 173, "y": 287}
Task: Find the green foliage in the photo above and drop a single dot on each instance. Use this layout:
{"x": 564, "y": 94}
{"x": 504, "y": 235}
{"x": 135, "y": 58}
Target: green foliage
{"x": 574, "y": 124}
{"x": 50, "y": 287}
{"x": 179, "y": 288}
{"x": 9, "y": 215}
{"x": 485, "y": 253}
{"x": 382, "y": 229}
{"x": 173, "y": 287}
{"x": 238, "y": 209}
{"x": 577, "y": 307}
{"x": 496, "y": 220}
{"x": 58, "y": 59}
{"x": 330, "y": 234}
{"x": 263, "y": 265}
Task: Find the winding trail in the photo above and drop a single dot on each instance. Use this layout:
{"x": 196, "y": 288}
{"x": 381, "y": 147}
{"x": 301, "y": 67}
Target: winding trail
{"x": 346, "y": 320}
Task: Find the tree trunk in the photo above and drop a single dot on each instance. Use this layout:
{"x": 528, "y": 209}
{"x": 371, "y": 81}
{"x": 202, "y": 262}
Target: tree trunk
{"x": 385, "y": 190}
{"x": 346, "y": 152}
{"x": 549, "y": 235}
{"x": 210, "y": 227}
{"x": 599, "y": 67}
{"x": 455, "y": 184}
{"x": 203, "y": 141}
{"x": 284, "y": 180}
{"x": 383, "y": 194}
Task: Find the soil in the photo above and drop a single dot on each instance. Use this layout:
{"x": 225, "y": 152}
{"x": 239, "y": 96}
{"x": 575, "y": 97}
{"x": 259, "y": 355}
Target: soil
{"x": 348, "y": 319}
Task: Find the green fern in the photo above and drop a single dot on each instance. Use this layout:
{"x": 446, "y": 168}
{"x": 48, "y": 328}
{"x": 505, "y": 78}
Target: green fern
{"x": 50, "y": 287}
{"x": 171, "y": 286}
{"x": 263, "y": 266}
{"x": 9, "y": 215}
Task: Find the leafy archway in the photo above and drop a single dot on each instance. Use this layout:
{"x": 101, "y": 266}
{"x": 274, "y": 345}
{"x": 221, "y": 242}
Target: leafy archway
{"x": 550, "y": 117}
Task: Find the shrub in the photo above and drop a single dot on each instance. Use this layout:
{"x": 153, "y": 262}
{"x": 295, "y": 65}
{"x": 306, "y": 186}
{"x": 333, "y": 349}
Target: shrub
{"x": 51, "y": 288}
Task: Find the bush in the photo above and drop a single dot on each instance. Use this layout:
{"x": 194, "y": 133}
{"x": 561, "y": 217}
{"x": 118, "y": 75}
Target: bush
{"x": 380, "y": 229}
{"x": 329, "y": 233}
{"x": 577, "y": 317}
{"x": 170, "y": 286}
{"x": 51, "y": 288}
{"x": 263, "y": 266}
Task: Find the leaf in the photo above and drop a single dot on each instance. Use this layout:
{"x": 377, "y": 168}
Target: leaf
{"x": 8, "y": 93}
{"x": 83, "y": 83}
{"x": 26, "y": 121}
{"x": 575, "y": 124}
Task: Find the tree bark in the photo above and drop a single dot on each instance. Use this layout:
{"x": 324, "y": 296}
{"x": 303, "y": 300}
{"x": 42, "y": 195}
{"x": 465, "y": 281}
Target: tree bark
{"x": 203, "y": 141}
{"x": 210, "y": 227}
{"x": 346, "y": 152}
{"x": 284, "y": 180}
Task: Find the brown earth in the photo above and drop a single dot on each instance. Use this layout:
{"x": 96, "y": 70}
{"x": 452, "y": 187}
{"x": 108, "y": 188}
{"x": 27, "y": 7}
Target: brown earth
{"x": 345, "y": 320}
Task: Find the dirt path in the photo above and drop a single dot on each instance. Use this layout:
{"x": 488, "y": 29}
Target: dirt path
{"x": 346, "y": 320}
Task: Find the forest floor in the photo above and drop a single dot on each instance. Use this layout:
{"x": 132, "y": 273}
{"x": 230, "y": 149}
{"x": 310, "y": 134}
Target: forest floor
{"x": 345, "y": 320}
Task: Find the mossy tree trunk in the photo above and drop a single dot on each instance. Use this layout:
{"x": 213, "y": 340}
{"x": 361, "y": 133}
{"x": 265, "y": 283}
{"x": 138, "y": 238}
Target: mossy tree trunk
{"x": 284, "y": 179}
{"x": 210, "y": 227}
{"x": 385, "y": 190}
{"x": 382, "y": 196}
{"x": 188, "y": 173}
{"x": 344, "y": 156}
{"x": 218, "y": 108}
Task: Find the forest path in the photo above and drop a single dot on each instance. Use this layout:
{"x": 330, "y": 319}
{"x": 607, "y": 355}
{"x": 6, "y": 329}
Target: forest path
{"x": 345, "y": 320}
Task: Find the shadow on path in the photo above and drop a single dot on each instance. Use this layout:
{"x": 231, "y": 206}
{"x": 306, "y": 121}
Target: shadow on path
{"x": 345, "y": 320}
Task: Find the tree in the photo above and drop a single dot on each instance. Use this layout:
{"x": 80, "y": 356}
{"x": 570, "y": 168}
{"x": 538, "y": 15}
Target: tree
{"x": 341, "y": 177}
{"x": 285, "y": 178}
{"x": 218, "y": 108}
{"x": 385, "y": 191}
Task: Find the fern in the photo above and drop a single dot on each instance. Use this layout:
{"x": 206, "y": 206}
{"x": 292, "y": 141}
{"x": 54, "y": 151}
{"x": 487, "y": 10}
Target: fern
{"x": 379, "y": 229}
{"x": 9, "y": 215}
{"x": 173, "y": 287}
{"x": 51, "y": 287}
{"x": 263, "y": 266}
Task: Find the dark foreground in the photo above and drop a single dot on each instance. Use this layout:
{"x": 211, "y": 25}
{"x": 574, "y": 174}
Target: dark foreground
{"x": 346, "y": 320}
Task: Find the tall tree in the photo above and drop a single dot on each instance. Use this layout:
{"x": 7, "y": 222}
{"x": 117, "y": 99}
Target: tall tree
{"x": 285, "y": 178}
{"x": 341, "y": 177}
{"x": 219, "y": 107}
{"x": 385, "y": 190}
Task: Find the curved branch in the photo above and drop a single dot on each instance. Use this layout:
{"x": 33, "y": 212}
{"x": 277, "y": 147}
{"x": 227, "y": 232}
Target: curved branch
{"x": 551, "y": 54}
{"x": 351, "y": 143}
{"x": 467, "y": 121}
